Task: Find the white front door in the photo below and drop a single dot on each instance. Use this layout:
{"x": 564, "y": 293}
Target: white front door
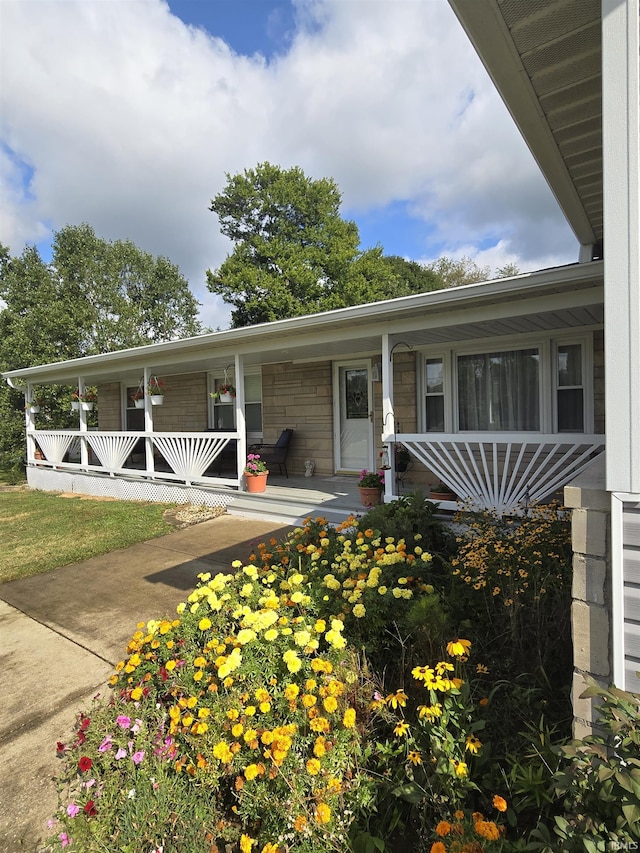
{"x": 353, "y": 416}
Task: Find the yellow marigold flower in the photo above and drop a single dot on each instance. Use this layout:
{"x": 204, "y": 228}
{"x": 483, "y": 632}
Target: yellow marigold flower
{"x": 472, "y": 744}
{"x": 291, "y": 691}
{"x": 320, "y": 747}
{"x": 349, "y": 718}
{"x": 199, "y": 661}
{"x": 310, "y": 684}
{"x": 323, "y": 813}
{"x": 270, "y": 847}
{"x": 222, "y": 752}
{"x": 359, "y": 611}
{"x": 251, "y": 771}
{"x": 319, "y": 724}
{"x": 271, "y": 634}
{"x": 204, "y": 624}
{"x": 237, "y": 730}
{"x": 414, "y": 757}
{"x": 443, "y": 828}
{"x": 499, "y": 803}
{"x": 401, "y": 728}
{"x": 246, "y": 843}
{"x": 330, "y": 704}
{"x": 313, "y": 766}
{"x": 301, "y": 638}
{"x": 136, "y": 694}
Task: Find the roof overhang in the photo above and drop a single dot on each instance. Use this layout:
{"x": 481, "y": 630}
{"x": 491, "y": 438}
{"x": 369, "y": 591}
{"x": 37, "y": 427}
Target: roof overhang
{"x": 545, "y": 57}
{"x": 561, "y": 297}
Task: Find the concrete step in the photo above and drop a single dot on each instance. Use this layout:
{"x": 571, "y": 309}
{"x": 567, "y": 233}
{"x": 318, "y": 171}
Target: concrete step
{"x": 291, "y": 510}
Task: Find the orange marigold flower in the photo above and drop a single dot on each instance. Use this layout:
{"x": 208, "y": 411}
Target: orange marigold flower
{"x": 499, "y": 803}
{"x": 443, "y": 828}
{"x": 438, "y": 847}
{"x": 300, "y": 823}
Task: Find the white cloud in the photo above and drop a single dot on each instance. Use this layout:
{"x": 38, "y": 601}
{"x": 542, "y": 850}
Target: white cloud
{"x": 130, "y": 120}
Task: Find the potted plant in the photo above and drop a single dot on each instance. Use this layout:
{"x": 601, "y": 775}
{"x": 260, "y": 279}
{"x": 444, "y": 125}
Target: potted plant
{"x": 87, "y": 398}
{"x": 137, "y": 398}
{"x": 155, "y": 390}
{"x": 442, "y": 492}
{"x": 370, "y": 486}
{"x": 75, "y": 401}
{"x": 256, "y": 473}
{"x": 225, "y": 393}
{"x": 34, "y": 405}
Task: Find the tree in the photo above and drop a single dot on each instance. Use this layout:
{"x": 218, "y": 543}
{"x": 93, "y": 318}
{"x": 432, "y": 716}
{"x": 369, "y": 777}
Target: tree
{"x": 293, "y": 254}
{"x": 454, "y": 273}
{"x": 95, "y": 296}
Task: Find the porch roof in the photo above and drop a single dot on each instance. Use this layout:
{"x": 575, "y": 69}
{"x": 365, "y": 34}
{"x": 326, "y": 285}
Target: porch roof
{"x": 545, "y": 60}
{"x": 561, "y": 297}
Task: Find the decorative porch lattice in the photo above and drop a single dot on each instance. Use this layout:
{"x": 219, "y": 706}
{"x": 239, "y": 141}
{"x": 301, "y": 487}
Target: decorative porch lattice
{"x": 189, "y": 456}
{"x": 502, "y": 473}
{"x": 53, "y": 444}
{"x": 112, "y": 448}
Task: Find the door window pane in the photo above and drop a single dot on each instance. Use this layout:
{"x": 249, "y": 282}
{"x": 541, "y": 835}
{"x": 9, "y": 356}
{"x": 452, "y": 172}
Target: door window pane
{"x": 356, "y": 394}
{"x": 499, "y": 391}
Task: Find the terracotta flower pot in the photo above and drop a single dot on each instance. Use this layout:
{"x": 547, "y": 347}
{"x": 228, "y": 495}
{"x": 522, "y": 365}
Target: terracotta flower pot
{"x": 256, "y": 482}
{"x": 370, "y": 496}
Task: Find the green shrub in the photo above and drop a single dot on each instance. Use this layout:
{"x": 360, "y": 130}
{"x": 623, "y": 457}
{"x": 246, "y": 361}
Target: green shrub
{"x": 598, "y": 781}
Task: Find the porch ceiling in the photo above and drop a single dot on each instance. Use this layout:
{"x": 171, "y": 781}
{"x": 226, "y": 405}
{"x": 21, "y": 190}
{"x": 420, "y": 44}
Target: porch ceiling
{"x": 544, "y": 57}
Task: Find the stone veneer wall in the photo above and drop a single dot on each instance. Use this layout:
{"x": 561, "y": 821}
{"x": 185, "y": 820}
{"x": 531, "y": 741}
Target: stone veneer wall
{"x": 109, "y": 407}
{"x": 591, "y": 607}
{"x": 185, "y": 407}
{"x": 300, "y": 397}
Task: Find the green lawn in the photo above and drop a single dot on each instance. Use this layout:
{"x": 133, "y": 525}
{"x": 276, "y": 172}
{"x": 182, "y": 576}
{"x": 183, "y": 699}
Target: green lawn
{"x": 40, "y": 531}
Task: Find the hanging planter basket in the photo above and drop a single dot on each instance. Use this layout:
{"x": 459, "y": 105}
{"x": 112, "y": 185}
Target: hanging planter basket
{"x": 75, "y": 405}
{"x": 35, "y": 408}
{"x": 155, "y": 391}
{"x": 139, "y": 404}
{"x": 87, "y": 406}
{"x": 156, "y": 399}
{"x": 227, "y": 397}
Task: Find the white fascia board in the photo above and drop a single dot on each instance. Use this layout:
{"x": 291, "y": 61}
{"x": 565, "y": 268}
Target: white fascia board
{"x": 355, "y": 321}
{"x": 486, "y": 29}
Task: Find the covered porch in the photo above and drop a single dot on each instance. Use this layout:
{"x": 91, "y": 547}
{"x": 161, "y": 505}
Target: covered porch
{"x": 495, "y": 389}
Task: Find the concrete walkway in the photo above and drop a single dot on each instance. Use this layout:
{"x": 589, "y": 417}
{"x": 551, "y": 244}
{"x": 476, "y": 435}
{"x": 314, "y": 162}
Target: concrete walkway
{"x": 62, "y": 633}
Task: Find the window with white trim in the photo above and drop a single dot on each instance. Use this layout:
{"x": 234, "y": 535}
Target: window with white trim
{"x": 224, "y": 413}
{"x": 570, "y": 387}
{"x": 535, "y": 385}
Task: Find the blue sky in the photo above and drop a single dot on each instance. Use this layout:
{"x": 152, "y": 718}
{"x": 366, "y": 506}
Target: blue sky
{"x": 128, "y": 114}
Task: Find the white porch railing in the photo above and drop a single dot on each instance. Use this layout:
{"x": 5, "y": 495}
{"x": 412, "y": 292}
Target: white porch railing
{"x": 184, "y": 457}
{"x": 502, "y": 471}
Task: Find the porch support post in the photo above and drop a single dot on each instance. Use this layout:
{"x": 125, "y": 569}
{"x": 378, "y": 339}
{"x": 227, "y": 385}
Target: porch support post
{"x": 148, "y": 423}
{"x": 241, "y": 425}
{"x": 388, "y": 417}
{"x": 84, "y": 450}
{"x": 30, "y": 421}
{"x": 621, "y": 142}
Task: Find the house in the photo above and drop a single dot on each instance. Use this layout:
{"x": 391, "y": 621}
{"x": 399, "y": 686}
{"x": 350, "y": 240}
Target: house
{"x": 507, "y": 390}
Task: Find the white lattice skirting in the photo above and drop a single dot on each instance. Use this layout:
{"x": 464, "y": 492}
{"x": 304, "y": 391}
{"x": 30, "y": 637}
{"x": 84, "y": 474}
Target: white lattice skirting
{"x": 126, "y": 490}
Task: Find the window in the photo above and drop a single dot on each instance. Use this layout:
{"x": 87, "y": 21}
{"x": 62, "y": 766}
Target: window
{"x": 224, "y": 414}
{"x": 434, "y": 379}
{"x": 499, "y": 391}
{"x": 135, "y": 417}
{"x": 570, "y": 388}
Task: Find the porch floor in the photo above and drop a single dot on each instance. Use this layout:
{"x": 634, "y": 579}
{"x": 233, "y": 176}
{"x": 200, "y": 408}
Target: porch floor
{"x": 295, "y": 498}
